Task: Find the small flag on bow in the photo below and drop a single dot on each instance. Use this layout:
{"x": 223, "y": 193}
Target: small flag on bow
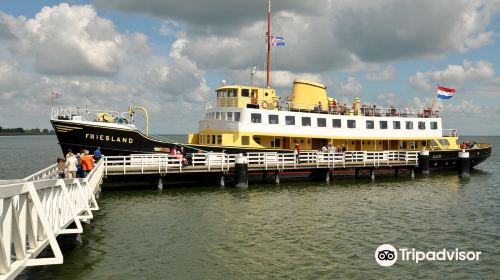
{"x": 277, "y": 41}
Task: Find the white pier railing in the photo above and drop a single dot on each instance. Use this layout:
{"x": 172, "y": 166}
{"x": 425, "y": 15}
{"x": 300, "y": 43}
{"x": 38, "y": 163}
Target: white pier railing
{"x": 216, "y": 162}
{"x": 38, "y": 208}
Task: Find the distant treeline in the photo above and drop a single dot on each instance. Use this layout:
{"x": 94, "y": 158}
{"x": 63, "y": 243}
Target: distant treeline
{"x": 19, "y": 130}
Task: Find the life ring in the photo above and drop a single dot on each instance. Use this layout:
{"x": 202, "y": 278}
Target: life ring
{"x": 264, "y": 105}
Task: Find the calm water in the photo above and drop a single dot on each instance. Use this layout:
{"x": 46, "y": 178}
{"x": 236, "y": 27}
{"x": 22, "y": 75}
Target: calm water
{"x": 304, "y": 230}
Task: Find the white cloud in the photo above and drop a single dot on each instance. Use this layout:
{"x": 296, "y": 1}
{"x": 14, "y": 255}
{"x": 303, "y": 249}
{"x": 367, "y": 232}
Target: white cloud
{"x": 341, "y": 35}
{"x": 168, "y": 28}
{"x": 351, "y": 87}
{"x": 388, "y": 73}
{"x": 387, "y": 98}
{"x": 12, "y": 77}
{"x": 72, "y": 40}
{"x": 453, "y": 74}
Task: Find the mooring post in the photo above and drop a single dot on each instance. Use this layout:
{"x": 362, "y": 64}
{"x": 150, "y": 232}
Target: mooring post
{"x": 327, "y": 176}
{"x": 424, "y": 161}
{"x": 277, "y": 177}
{"x": 396, "y": 172}
{"x": 463, "y": 163}
{"x": 372, "y": 174}
{"x": 412, "y": 172}
{"x": 160, "y": 183}
{"x": 356, "y": 172}
{"x": 241, "y": 171}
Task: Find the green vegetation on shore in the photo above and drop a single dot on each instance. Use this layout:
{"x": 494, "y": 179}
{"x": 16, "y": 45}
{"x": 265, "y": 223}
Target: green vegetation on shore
{"x": 22, "y": 131}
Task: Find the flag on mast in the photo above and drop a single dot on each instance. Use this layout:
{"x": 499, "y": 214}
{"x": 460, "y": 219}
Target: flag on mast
{"x": 277, "y": 41}
{"x": 445, "y": 93}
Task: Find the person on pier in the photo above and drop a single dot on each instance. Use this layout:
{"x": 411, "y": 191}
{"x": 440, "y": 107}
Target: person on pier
{"x": 87, "y": 163}
{"x": 71, "y": 165}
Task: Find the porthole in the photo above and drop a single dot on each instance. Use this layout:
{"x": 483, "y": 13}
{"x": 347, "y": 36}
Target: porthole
{"x": 266, "y": 94}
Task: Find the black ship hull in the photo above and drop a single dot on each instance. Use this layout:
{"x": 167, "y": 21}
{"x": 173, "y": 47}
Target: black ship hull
{"x": 114, "y": 141}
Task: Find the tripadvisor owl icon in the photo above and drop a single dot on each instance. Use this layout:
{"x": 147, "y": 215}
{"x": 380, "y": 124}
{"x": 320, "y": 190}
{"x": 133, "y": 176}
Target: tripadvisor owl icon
{"x": 386, "y": 255}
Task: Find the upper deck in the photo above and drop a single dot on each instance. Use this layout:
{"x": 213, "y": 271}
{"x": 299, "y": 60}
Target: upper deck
{"x": 306, "y": 96}
{"x": 287, "y": 105}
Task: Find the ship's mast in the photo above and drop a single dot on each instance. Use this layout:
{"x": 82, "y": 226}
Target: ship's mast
{"x": 268, "y": 43}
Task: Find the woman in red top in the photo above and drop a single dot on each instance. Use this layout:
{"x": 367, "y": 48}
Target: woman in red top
{"x": 87, "y": 162}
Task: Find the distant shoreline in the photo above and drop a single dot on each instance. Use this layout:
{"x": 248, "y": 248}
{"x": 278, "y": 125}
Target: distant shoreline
{"x": 26, "y": 134}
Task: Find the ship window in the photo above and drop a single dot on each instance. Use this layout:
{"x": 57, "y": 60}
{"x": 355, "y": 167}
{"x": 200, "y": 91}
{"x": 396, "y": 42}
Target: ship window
{"x": 336, "y": 123}
{"x": 212, "y": 115}
{"x": 254, "y": 93}
{"x": 444, "y": 142}
{"x": 233, "y": 92}
{"x": 223, "y": 116}
{"x": 402, "y": 145}
{"x": 370, "y": 124}
{"x": 434, "y": 125}
{"x": 257, "y": 140}
{"x": 396, "y": 125}
{"x": 276, "y": 143}
{"x": 289, "y": 120}
{"x": 256, "y": 118}
{"x": 236, "y": 116}
{"x": 217, "y": 115}
{"x": 306, "y": 121}
{"x": 213, "y": 139}
{"x": 229, "y": 116}
{"x": 421, "y": 125}
{"x": 351, "y": 123}
{"x": 413, "y": 145}
{"x": 321, "y": 122}
{"x": 266, "y": 94}
{"x": 273, "y": 119}
{"x": 383, "y": 124}
{"x": 245, "y": 140}
{"x": 245, "y": 92}
{"x": 219, "y": 139}
{"x": 409, "y": 125}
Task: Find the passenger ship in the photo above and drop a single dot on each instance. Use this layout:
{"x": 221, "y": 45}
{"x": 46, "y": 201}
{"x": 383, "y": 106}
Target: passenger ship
{"x": 250, "y": 118}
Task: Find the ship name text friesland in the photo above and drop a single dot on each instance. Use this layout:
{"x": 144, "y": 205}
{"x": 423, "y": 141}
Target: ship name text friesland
{"x": 109, "y": 138}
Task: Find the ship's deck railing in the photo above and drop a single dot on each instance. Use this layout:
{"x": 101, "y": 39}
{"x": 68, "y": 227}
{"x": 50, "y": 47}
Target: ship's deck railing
{"x": 81, "y": 114}
{"x": 283, "y": 105}
{"x": 38, "y": 208}
{"x": 450, "y": 132}
{"x": 211, "y": 162}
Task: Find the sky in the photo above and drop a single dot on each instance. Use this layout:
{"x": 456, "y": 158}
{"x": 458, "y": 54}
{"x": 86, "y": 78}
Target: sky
{"x": 169, "y": 56}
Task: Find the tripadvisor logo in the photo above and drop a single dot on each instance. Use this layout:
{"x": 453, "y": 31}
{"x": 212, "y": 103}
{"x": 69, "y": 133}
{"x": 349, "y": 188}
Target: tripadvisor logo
{"x": 387, "y": 255}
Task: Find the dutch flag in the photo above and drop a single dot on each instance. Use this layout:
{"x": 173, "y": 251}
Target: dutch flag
{"x": 445, "y": 93}
{"x": 277, "y": 41}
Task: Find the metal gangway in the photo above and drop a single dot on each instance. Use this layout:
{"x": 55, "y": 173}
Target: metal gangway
{"x": 221, "y": 162}
{"x": 36, "y": 209}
